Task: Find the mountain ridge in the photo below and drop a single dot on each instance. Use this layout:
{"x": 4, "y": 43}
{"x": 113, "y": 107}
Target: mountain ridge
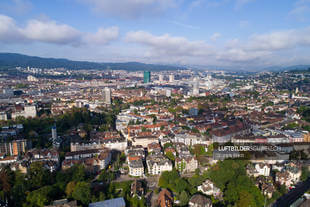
{"x": 16, "y": 59}
{"x": 20, "y": 60}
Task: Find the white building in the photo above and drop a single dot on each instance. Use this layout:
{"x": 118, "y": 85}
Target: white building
{"x": 186, "y": 163}
{"x": 3, "y": 116}
{"x": 136, "y": 168}
{"x": 168, "y": 92}
{"x": 8, "y": 160}
{"x": 171, "y": 78}
{"x": 156, "y": 164}
{"x": 260, "y": 169}
{"x": 196, "y": 87}
{"x": 144, "y": 141}
{"x": 31, "y": 78}
{"x": 104, "y": 159}
{"x": 107, "y": 95}
{"x": 190, "y": 140}
{"x": 115, "y": 144}
{"x": 208, "y": 188}
{"x": 30, "y": 111}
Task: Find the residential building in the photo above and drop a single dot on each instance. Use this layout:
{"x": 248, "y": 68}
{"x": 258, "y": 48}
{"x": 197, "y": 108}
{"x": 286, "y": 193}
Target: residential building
{"x": 156, "y": 164}
{"x": 15, "y": 147}
{"x": 186, "y": 163}
{"x": 259, "y": 169}
{"x": 136, "y": 168}
{"x": 198, "y": 200}
{"x": 208, "y": 188}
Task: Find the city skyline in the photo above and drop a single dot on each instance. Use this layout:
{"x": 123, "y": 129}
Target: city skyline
{"x": 231, "y": 33}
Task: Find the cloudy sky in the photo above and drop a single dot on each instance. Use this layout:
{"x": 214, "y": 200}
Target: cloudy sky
{"x": 237, "y": 33}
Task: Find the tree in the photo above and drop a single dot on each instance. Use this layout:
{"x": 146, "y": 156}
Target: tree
{"x": 305, "y": 173}
{"x": 184, "y": 198}
{"x": 170, "y": 156}
{"x": 230, "y": 176}
{"x": 172, "y": 181}
{"x": 196, "y": 180}
{"x": 166, "y": 145}
{"x": 79, "y": 173}
{"x": 210, "y": 150}
{"x": 181, "y": 166}
{"x": 195, "y": 130}
{"x": 70, "y": 188}
{"x": 245, "y": 200}
{"x": 199, "y": 150}
{"x": 6, "y": 180}
{"x": 19, "y": 189}
{"x": 40, "y": 197}
{"x": 82, "y": 192}
{"x": 179, "y": 185}
{"x": 106, "y": 176}
{"x": 38, "y": 176}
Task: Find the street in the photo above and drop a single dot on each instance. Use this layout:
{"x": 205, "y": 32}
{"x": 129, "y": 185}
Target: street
{"x": 289, "y": 198}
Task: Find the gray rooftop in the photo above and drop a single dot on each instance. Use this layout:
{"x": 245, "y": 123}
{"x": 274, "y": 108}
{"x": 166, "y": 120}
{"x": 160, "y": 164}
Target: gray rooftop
{"x": 116, "y": 202}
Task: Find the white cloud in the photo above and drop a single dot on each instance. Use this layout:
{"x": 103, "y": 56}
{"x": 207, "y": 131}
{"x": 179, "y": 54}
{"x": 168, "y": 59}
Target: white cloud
{"x": 130, "y": 8}
{"x": 280, "y": 40}
{"x": 215, "y": 36}
{"x": 241, "y": 55}
{"x": 300, "y": 10}
{"x": 103, "y": 36}
{"x": 48, "y": 31}
{"x": 195, "y": 3}
{"x": 9, "y": 32}
{"x": 240, "y": 3}
{"x": 258, "y": 50}
{"x": 168, "y": 46}
{"x": 188, "y": 26}
{"x": 261, "y": 48}
{"x": 19, "y": 7}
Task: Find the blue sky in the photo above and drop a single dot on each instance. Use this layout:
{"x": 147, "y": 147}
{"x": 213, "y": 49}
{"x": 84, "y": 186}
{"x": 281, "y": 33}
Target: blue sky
{"x": 236, "y": 33}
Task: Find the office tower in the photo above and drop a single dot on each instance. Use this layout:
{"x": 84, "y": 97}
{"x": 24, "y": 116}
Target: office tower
{"x": 54, "y": 132}
{"x": 171, "y": 78}
{"x": 107, "y": 95}
{"x": 147, "y": 77}
{"x": 161, "y": 78}
{"x": 196, "y": 87}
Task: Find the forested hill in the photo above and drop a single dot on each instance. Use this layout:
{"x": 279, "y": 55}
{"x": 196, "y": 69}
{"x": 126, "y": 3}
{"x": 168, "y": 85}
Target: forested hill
{"x": 14, "y": 60}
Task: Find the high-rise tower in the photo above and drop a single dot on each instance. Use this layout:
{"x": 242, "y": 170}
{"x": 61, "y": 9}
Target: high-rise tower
{"x": 147, "y": 77}
{"x": 107, "y": 95}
